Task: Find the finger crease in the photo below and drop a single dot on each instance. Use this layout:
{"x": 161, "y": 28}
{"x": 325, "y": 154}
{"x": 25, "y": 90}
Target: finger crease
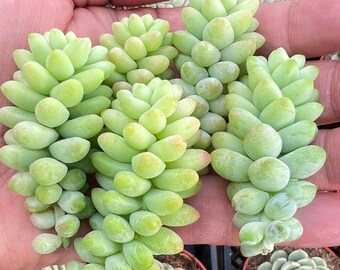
{"x": 291, "y": 22}
{"x": 335, "y": 90}
{"x": 330, "y": 171}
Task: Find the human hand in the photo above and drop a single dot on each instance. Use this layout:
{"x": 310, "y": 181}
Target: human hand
{"x": 305, "y": 31}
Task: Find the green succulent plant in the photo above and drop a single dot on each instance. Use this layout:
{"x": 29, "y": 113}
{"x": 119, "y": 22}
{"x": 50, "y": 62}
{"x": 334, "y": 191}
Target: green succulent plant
{"x": 265, "y": 151}
{"x": 217, "y": 38}
{"x": 296, "y": 260}
{"x": 141, "y": 49}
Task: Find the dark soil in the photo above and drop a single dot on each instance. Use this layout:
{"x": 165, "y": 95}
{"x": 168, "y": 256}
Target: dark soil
{"x": 179, "y": 261}
{"x": 333, "y": 262}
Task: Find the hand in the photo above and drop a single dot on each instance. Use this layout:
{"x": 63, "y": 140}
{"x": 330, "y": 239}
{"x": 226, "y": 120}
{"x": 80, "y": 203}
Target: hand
{"x": 298, "y": 26}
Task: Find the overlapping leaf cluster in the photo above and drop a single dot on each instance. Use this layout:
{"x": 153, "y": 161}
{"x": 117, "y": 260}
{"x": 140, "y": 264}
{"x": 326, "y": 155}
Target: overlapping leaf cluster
{"x": 116, "y": 111}
{"x": 297, "y": 259}
{"x": 57, "y": 96}
{"x": 141, "y": 49}
{"x": 217, "y": 39}
{"x": 266, "y": 150}
{"x": 65, "y": 123}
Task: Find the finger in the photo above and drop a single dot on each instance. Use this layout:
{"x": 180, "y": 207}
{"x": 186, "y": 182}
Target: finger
{"x": 214, "y": 226}
{"x": 328, "y": 177}
{"x": 302, "y": 26}
{"x": 320, "y": 220}
{"x": 328, "y": 85}
{"x": 95, "y": 21}
{"x": 91, "y": 22}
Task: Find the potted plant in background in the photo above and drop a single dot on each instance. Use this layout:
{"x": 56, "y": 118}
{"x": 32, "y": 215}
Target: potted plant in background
{"x": 294, "y": 258}
{"x": 184, "y": 260}
{"x": 181, "y": 261}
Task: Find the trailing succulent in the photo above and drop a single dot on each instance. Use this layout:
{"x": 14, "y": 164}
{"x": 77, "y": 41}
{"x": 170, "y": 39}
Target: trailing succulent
{"x": 117, "y": 111}
{"x": 265, "y": 151}
{"x": 65, "y": 123}
{"x": 141, "y": 48}
{"x": 217, "y": 39}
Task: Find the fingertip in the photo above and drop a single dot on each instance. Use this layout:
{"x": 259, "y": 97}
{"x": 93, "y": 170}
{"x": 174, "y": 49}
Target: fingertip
{"x": 320, "y": 220}
{"x": 302, "y": 26}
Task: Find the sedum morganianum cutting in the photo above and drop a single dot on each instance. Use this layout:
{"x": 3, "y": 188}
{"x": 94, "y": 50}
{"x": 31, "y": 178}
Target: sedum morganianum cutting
{"x": 218, "y": 37}
{"x": 266, "y": 151}
{"x": 141, "y": 49}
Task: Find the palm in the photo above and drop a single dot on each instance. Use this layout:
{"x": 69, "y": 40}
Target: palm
{"x": 214, "y": 227}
